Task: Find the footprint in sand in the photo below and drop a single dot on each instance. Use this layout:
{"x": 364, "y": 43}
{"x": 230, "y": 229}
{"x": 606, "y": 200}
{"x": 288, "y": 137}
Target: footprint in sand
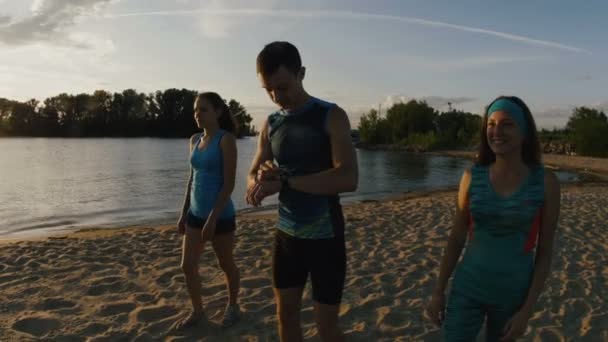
{"x": 18, "y": 279}
{"x": 110, "y": 285}
{"x": 56, "y": 304}
{"x": 165, "y": 294}
{"x": 144, "y": 297}
{"x": 93, "y": 329}
{"x": 69, "y": 338}
{"x": 8, "y": 307}
{"x": 112, "y": 309}
{"x": 165, "y": 278}
{"x": 37, "y": 326}
{"x": 153, "y": 313}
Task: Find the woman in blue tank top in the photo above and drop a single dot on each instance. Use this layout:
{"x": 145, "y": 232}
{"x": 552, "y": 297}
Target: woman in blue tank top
{"x": 208, "y": 212}
{"x": 507, "y": 212}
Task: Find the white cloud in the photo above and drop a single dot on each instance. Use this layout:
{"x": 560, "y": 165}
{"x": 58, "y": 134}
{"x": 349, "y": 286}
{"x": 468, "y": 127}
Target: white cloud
{"x": 219, "y": 10}
{"x": 36, "y": 6}
{"x": 437, "y": 102}
{"x": 49, "y": 22}
{"x": 48, "y": 57}
{"x": 602, "y": 105}
{"x": 213, "y": 25}
{"x": 41, "y": 70}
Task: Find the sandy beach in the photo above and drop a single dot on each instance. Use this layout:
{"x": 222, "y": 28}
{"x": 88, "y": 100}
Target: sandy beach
{"x": 126, "y": 284}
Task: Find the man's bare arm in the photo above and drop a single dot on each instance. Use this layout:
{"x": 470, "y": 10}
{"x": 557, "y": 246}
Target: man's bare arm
{"x": 344, "y": 175}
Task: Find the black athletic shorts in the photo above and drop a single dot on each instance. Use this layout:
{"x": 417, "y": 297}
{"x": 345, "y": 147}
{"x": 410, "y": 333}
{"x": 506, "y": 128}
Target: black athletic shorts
{"x": 222, "y": 226}
{"x": 293, "y": 259}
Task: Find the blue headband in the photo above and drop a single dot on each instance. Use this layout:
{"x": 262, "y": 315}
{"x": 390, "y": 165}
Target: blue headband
{"x": 514, "y": 110}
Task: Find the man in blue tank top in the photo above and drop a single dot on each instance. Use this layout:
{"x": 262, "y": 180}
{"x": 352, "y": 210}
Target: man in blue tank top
{"x": 309, "y": 140}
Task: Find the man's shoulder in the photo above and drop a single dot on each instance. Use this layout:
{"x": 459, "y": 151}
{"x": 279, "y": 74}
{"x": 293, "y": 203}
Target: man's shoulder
{"x": 323, "y": 103}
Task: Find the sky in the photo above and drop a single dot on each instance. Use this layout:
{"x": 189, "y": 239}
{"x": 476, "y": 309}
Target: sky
{"x": 358, "y": 54}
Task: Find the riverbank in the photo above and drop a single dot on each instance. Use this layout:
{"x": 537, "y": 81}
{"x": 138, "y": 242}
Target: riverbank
{"x": 597, "y": 166}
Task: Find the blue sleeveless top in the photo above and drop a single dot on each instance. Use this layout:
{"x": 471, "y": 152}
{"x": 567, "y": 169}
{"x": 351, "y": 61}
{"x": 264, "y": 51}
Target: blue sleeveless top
{"x": 208, "y": 178}
{"x": 498, "y": 260}
{"x": 300, "y": 144}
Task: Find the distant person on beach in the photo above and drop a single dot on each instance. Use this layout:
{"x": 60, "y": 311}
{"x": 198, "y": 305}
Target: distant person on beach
{"x": 208, "y": 212}
{"x": 507, "y": 211}
{"x": 315, "y": 161}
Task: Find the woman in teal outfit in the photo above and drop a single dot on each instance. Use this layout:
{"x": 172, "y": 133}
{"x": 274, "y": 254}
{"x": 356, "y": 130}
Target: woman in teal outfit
{"x": 208, "y": 212}
{"x": 506, "y": 214}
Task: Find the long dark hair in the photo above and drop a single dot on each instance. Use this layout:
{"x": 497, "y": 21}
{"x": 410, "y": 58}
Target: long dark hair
{"x": 226, "y": 121}
{"x": 530, "y": 149}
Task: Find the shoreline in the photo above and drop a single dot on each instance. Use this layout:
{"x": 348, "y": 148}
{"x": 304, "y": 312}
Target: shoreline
{"x": 590, "y": 170}
{"x": 37, "y": 231}
{"x": 263, "y": 213}
{"x": 581, "y": 164}
{"x": 593, "y": 166}
{"x": 597, "y": 172}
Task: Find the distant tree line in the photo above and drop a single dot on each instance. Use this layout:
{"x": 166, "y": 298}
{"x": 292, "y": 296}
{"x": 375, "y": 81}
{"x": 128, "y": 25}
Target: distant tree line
{"x": 420, "y": 127}
{"x": 128, "y": 113}
{"x": 586, "y": 131}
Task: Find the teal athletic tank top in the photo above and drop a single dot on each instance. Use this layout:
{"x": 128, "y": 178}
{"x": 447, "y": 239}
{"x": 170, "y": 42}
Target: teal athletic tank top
{"x": 498, "y": 260}
{"x": 300, "y": 145}
{"x": 208, "y": 178}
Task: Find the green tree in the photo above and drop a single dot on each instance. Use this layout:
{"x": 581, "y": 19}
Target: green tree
{"x": 584, "y": 114}
{"x": 22, "y": 117}
{"x": 589, "y": 130}
{"x": 409, "y": 118}
{"x": 374, "y": 129}
{"x": 243, "y": 119}
{"x": 167, "y": 113}
{"x": 449, "y": 127}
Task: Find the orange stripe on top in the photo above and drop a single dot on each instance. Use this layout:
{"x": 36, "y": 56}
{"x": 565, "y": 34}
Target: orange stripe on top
{"x": 534, "y": 231}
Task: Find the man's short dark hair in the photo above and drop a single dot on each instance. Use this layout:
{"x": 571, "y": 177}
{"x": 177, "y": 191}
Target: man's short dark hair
{"x": 277, "y": 54}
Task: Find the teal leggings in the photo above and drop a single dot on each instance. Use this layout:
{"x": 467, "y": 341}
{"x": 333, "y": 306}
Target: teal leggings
{"x": 465, "y": 316}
